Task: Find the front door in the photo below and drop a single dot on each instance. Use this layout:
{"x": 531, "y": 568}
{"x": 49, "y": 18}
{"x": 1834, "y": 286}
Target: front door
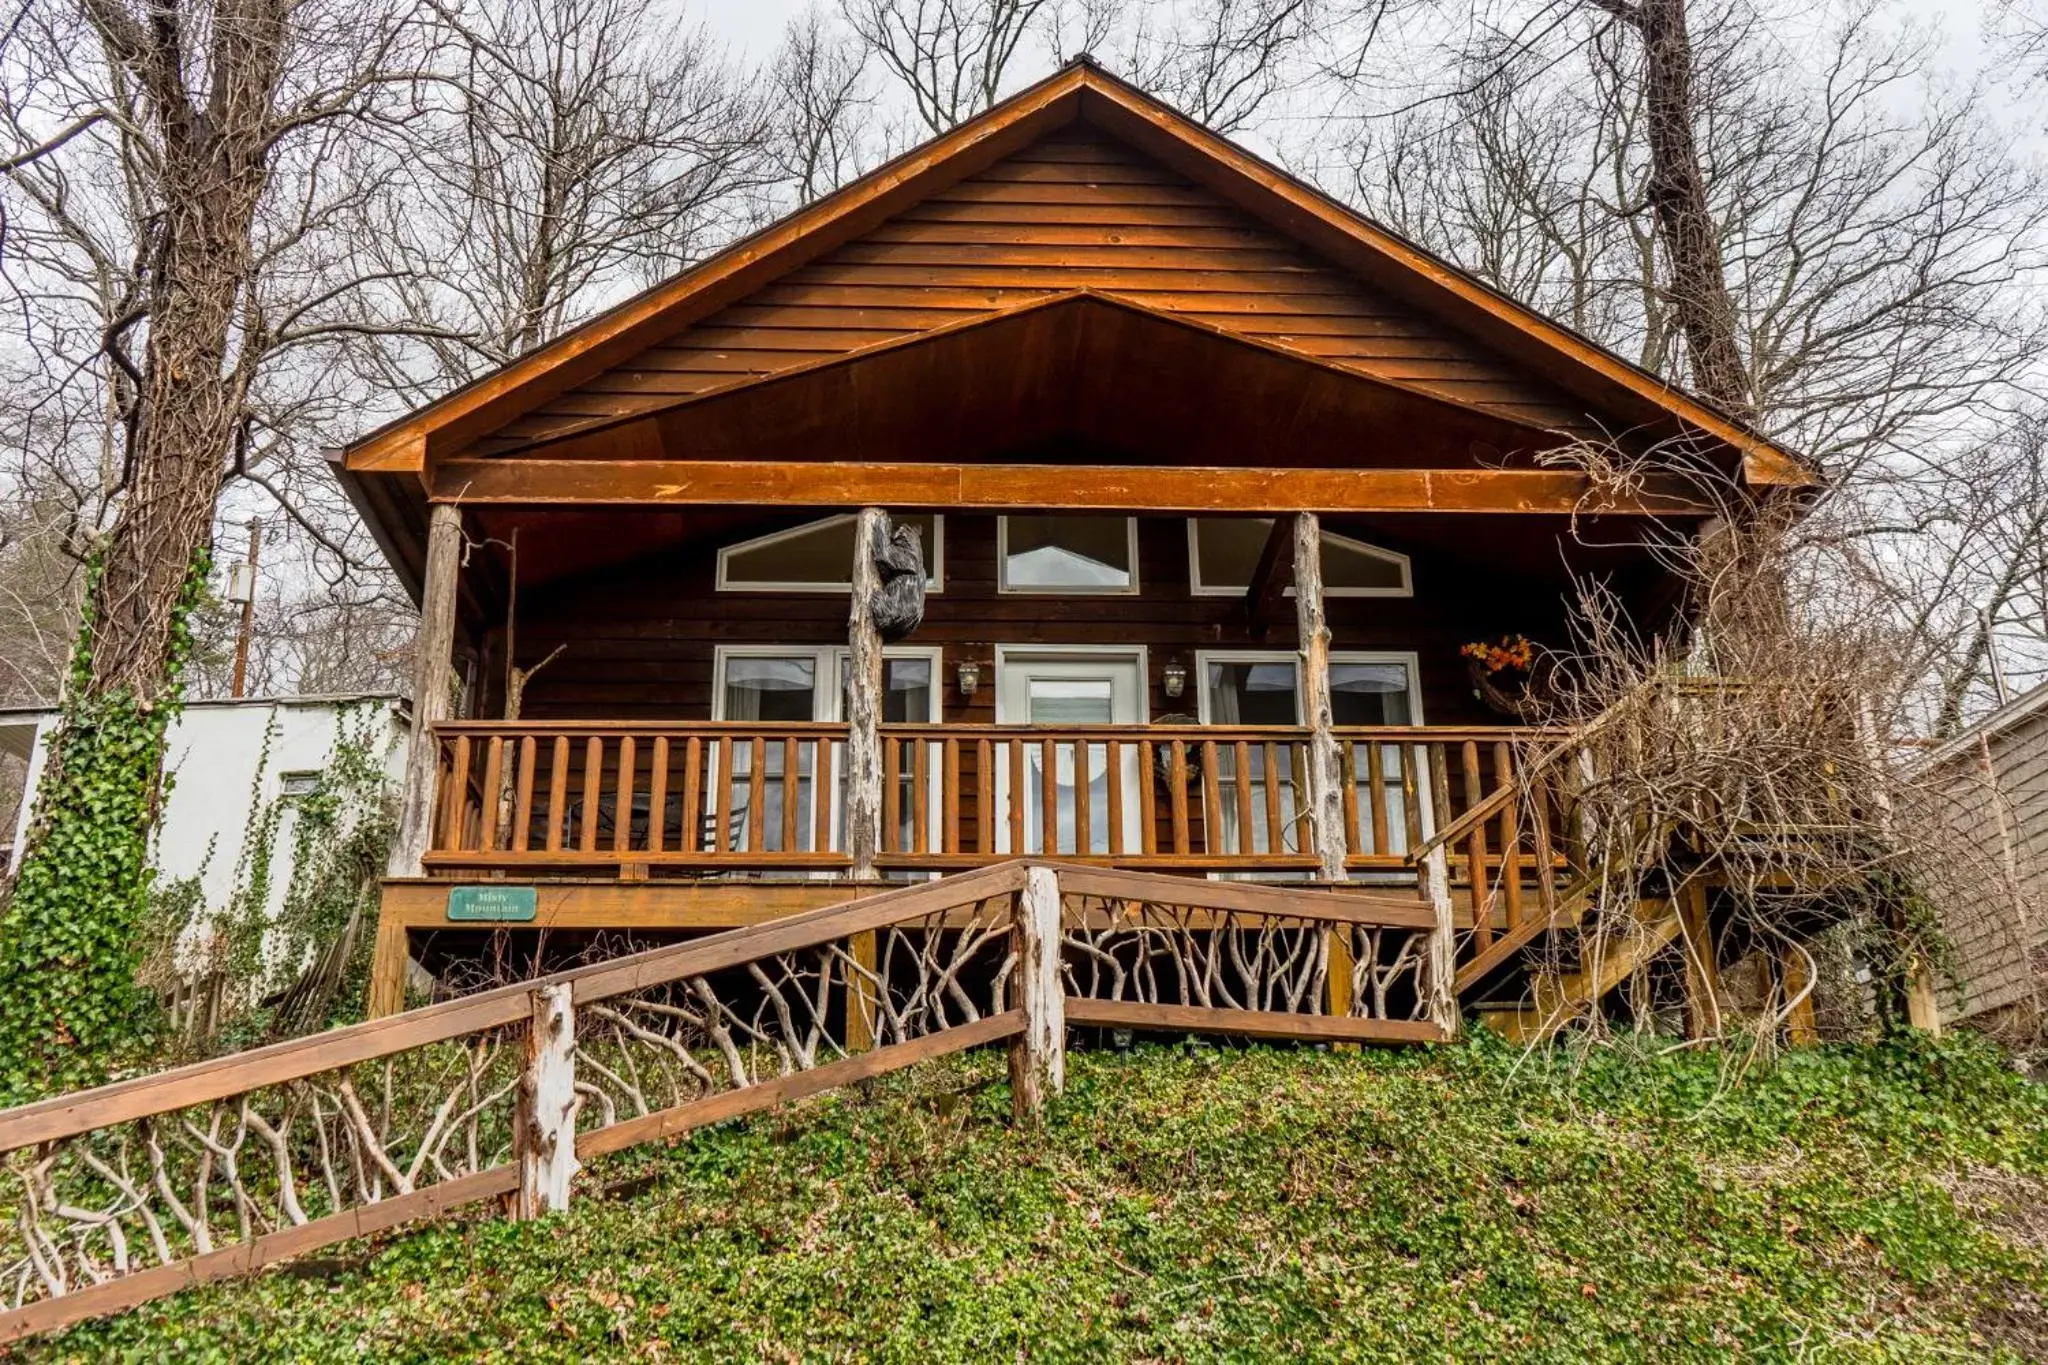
{"x": 1073, "y": 691}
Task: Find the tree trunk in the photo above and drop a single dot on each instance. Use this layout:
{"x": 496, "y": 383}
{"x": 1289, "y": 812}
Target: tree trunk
{"x": 1697, "y": 281}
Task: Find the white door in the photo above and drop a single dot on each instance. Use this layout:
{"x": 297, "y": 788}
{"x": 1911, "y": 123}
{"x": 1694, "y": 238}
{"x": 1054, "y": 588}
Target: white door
{"x": 1070, "y": 689}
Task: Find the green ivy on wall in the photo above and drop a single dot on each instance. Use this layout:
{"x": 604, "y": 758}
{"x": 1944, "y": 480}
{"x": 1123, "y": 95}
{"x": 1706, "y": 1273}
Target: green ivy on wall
{"x": 305, "y": 965}
{"x": 73, "y": 1011}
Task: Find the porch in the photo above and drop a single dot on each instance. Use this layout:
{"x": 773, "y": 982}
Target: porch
{"x": 688, "y": 826}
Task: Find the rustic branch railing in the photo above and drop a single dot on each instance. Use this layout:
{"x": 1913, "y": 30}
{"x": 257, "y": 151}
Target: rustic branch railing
{"x": 122, "y": 1194}
{"x": 748, "y": 798}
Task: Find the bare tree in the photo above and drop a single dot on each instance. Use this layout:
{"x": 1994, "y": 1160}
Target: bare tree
{"x": 1225, "y": 61}
{"x": 953, "y": 58}
{"x": 820, "y": 102}
{"x": 579, "y": 148}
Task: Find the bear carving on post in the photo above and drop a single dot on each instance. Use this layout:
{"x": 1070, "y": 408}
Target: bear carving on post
{"x": 898, "y": 606}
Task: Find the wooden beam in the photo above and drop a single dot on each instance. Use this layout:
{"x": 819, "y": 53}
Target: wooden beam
{"x": 864, "y": 699}
{"x": 432, "y": 679}
{"x": 996, "y": 487}
{"x": 1139, "y": 1014}
{"x": 1265, "y": 598}
{"x": 1327, "y": 835}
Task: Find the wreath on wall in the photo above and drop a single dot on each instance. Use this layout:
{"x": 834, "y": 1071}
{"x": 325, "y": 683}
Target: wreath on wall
{"x": 1508, "y": 675}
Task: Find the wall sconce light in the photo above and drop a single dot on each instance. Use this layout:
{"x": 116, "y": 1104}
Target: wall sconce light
{"x": 1174, "y": 677}
{"x": 968, "y": 674}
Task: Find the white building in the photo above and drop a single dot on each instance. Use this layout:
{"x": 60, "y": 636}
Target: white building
{"x": 229, "y": 761}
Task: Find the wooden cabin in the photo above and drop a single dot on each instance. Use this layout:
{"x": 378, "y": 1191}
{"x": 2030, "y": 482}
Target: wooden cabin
{"x": 1214, "y": 479}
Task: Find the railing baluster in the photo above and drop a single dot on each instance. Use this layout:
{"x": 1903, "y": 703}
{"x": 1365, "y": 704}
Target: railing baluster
{"x": 757, "y": 794}
{"x": 593, "y": 791}
{"x": 1510, "y": 837}
{"x": 1241, "y": 757}
{"x": 950, "y": 797}
{"x": 622, "y": 801}
{"x": 1148, "y": 807}
{"x": 1348, "y": 761}
{"x": 822, "y": 789}
{"x": 1376, "y": 760}
{"x": 1475, "y": 850}
{"x": 1212, "y": 800}
{"x": 458, "y": 797}
{"x": 1546, "y": 875}
{"x": 790, "y": 786}
{"x": 1113, "y": 781}
{"x": 892, "y": 794}
{"x": 1177, "y": 794}
{"x": 522, "y": 805}
{"x": 687, "y": 837}
{"x": 1275, "y": 821}
{"x": 1049, "y": 793}
{"x": 558, "y": 794}
{"x": 984, "y": 797}
{"x": 657, "y": 794}
{"x": 721, "y": 819}
{"x": 487, "y": 804}
{"x": 1017, "y": 797}
{"x": 920, "y": 797}
{"x": 1083, "y": 824}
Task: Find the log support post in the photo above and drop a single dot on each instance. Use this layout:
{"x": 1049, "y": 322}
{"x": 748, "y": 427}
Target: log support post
{"x": 864, "y": 700}
{"x": 547, "y": 1105}
{"x": 432, "y": 676}
{"x": 1038, "y": 1056}
{"x": 1325, "y": 759}
{"x": 1443, "y": 944}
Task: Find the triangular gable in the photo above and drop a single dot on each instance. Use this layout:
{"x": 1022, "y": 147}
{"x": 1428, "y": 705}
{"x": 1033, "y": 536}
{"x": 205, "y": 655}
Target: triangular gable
{"x": 1095, "y": 370}
{"x": 1209, "y": 229}
{"x": 1074, "y": 210}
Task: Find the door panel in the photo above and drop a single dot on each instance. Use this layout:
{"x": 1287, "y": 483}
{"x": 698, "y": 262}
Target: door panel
{"x": 1070, "y": 690}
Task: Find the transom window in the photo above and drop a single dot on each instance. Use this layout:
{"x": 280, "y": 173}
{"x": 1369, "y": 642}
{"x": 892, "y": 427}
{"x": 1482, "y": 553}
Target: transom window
{"x": 817, "y": 557}
{"x": 1223, "y": 554}
{"x": 1067, "y": 554}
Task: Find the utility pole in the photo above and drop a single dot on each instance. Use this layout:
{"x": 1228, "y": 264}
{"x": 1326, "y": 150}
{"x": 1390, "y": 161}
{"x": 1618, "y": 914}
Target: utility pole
{"x": 242, "y": 588}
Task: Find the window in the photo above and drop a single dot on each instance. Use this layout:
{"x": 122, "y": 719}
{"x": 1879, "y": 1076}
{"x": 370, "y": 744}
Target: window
{"x": 817, "y": 557}
{"x": 298, "y": 784}
{"x": 782, "y": 685}
{"x": 1265, "y": 689}
{"x": 1063, "y": 554}
{"x": 1223, "y": 554}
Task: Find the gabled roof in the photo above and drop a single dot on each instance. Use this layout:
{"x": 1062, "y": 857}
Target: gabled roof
{"x": 1618, "y": 391}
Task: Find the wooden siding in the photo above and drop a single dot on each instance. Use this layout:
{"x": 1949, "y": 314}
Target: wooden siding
{"x": 1991, "y": 945}
{"x": 1074, "y": 210}
{"x": 638, "y": 639}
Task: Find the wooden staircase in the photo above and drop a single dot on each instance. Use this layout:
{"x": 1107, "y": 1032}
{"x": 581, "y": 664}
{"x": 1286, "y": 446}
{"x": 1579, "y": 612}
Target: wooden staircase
{"x": 1561, "y": 997}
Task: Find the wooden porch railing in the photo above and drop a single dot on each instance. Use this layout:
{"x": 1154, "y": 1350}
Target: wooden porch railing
{"x": 747, "y": 798}
{"x": 122, "y": 1194}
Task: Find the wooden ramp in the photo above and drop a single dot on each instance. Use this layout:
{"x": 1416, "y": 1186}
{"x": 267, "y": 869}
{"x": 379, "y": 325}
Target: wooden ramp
{"x": 135, "y": 1190}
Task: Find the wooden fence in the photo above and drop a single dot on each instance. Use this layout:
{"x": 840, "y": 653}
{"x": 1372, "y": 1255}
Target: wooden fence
{"x": 142, "y": 1188}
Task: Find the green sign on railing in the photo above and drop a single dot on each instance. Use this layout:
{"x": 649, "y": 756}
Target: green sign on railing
{"x": 492, "y": 904}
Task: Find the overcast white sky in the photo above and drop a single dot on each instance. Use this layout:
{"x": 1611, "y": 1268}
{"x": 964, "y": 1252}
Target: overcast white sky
{"x": 755, "y": 25}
